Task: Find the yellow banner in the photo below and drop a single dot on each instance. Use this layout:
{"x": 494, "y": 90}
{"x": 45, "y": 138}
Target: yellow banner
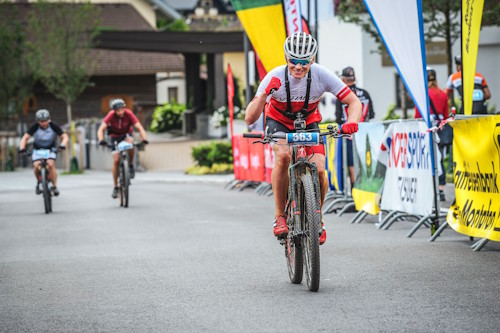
{"x": 265, "y": 28}
{"x": 476, "y": 155}
{"x": 333, "y": 166}
{"x": 472, "y": 12}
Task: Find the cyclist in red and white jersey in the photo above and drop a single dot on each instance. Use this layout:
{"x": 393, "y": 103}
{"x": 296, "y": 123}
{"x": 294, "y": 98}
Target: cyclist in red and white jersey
{"x": 287, "y": 90}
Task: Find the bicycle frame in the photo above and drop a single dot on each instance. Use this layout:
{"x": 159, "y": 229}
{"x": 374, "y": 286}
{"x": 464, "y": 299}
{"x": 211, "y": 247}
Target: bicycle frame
{"x": 303, "y": 206}
{"x": 298, "y": 166}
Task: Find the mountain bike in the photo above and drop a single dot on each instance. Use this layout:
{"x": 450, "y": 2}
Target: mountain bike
{"x": 124, "y": 168}
{"x": 303, "y": 207}
{"x": 44, "y": 177}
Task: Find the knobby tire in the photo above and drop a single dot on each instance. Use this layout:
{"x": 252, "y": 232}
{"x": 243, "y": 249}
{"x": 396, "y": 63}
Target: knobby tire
{"x": 125, "y": 177}
{"x": 46, "y": 191}
{"x": 293, "y": 250}
{"x": 310, "y": 224}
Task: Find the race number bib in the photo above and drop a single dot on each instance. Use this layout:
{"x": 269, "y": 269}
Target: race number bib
{"x": 124, "y": 145}
{"x": 477, "y": 95}
{"x": 41, "y": 153}
{"x": 307, "y": 139}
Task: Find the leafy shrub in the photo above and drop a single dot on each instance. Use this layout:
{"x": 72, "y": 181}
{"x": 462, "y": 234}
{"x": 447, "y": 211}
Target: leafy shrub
{"x": 167, "y": 117}
{"x": 213, "y": 153}
{"x": 391, "y": 112}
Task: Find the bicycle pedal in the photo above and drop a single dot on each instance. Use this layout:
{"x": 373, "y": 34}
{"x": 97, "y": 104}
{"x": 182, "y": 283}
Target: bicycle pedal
{"x": 282, "y": 237}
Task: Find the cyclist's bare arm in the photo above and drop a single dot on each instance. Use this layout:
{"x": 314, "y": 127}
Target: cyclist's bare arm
{"x": 100, "y": 131}
{"x": 64, "y": 139}
{"x": 141, "y": 130}
{"x": 24, "y": 140}
{"x": 255, "y": 108}
{"x": 487, "y": 93}
{"x": 355, "y": 107}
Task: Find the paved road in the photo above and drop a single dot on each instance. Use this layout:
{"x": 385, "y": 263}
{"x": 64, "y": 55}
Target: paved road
{"x": 189, "y": 256}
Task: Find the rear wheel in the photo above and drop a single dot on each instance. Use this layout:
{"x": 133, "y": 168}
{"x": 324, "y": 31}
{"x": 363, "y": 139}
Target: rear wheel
{"x": 46, "y": 191}
{"x": 293, "y": 250}
{"x": 310, "y": 223}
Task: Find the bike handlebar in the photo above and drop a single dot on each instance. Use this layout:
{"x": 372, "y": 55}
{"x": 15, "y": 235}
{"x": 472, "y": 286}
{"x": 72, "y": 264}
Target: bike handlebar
{"x": 272, "y": 137}
{"x": 253, "y": 135}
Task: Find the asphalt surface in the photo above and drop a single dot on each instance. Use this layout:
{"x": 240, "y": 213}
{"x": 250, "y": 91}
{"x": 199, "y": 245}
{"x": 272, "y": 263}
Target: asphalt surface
{"x": 190, "y": 256}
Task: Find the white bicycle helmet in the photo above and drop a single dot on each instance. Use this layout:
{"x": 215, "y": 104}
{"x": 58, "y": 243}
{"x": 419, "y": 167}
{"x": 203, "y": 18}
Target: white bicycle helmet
{"x": 300, "y": 45}
{"x": 117, "y": 103}
{"x": 42, "y": 115}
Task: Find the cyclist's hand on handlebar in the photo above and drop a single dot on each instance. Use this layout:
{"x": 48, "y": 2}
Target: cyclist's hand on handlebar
{"x": 61, "y": 147}
{"x": 273, "y": 85}
{"x": 349, "y": 128}
{"x": 144, "y": 142}
{"x": 103, "y": 143}
{"x": 22, "y": 151}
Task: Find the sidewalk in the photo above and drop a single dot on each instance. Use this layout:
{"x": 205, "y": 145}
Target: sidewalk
{"x": 23, "y": 178}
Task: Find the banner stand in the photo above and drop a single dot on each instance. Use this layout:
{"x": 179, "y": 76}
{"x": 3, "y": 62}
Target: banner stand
{"x": 263, "y": 188}
{"x": 360, "y": 215}
{"x": 437, "y": 213}
{"x": 477, "y": 246}
{"x": 232, "y": 184}
{"x": 394, "y": 214}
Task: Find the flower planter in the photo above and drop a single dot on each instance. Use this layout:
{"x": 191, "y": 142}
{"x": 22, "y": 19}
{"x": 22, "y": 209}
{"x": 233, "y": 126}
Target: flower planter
{"x": 217, "y": 132}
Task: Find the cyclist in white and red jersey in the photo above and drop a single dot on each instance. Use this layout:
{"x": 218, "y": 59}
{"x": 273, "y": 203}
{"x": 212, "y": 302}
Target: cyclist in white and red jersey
{"x": 288, "y": 90}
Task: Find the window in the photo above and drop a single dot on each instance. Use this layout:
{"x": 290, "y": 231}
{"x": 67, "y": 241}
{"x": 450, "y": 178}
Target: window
{"x": 172, "y": 94}
{"x": 399, "y": 86}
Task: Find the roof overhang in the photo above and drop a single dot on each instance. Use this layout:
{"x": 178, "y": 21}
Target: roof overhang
{"x": 165, "y": 8}
{"x": 173, "y": 42}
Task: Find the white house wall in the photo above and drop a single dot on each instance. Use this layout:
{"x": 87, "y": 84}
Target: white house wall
{"x": 165, "y": 81}
{"x": 339, "y": 46}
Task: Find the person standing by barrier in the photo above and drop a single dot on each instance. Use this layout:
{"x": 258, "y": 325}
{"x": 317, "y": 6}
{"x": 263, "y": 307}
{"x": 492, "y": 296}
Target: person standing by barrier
{"x": 119, "y": 122}
{"x": 304, "y": 85}
{"x": 438, "y": 101}
{"x": 341, "y": 112}
{"x": 480, "y": 94}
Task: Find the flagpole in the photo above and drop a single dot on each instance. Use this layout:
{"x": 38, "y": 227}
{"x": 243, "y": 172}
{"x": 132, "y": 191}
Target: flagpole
{"x": 461, "y": 56}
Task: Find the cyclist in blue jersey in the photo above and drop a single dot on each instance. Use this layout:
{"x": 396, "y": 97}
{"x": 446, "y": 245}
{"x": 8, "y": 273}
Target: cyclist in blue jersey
{"x": 45, "y": 133}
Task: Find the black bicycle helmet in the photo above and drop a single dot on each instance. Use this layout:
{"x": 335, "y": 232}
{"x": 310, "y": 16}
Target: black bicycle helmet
{"x": 458, "y": 60}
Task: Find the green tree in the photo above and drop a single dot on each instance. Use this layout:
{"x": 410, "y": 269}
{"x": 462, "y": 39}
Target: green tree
{"x": 172, "y": 25}
{"x": 441, "y": 19}
{"x": 16, "y": 83}
{"x": 61, "y": 37}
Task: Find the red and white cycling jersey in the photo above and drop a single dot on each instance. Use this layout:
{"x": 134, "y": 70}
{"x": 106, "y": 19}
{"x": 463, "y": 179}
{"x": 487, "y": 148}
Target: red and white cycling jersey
{"x": 322, "y": 80}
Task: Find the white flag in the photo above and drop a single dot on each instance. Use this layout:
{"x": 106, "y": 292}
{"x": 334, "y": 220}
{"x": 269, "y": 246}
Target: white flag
{"x": 400, "y": 25}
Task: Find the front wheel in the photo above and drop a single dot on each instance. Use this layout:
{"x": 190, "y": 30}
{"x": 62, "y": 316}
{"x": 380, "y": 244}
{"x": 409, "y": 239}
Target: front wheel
{"x": 46, "y": 191}
{"x": 293, "y": 250}
{"x": 125, "y": 182}
{"x": 310, "y": 223}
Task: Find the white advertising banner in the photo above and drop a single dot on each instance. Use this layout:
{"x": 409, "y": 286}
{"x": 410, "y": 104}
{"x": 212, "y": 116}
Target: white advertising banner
{"x": 293, "y": 16}
{"x": 400, "y": 25}
{"x": 408, "y": 178}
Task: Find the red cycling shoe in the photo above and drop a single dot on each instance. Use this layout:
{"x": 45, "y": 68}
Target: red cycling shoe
{"x": 280, "y": 227}
{"x": 322, "y": 237}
